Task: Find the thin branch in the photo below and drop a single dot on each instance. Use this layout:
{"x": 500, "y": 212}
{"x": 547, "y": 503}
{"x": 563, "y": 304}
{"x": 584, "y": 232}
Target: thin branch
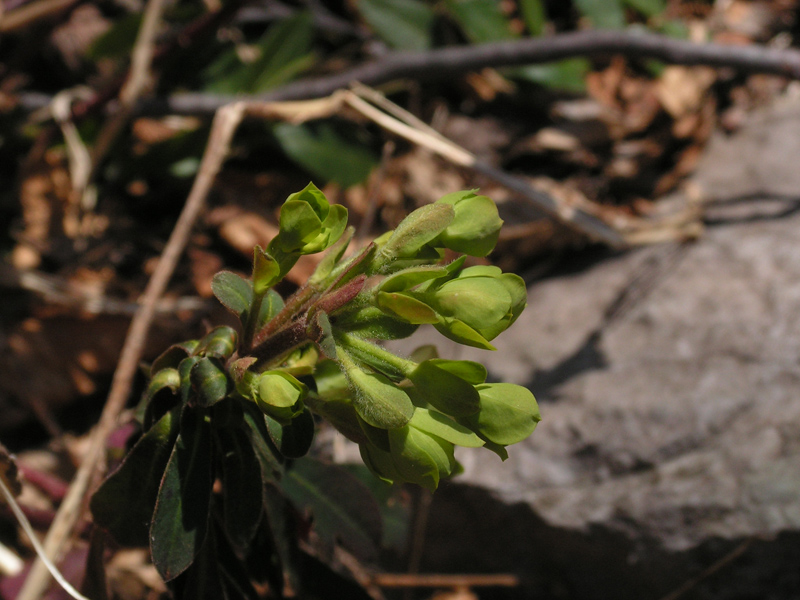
{"x": 27, "y": 15}
{"x": 446, "y": 63}
{"x": 722, "y": 562}
{"x": 427, "y": 137}
{"x": 136, "y": 83}
{"x": 69, "y": 513}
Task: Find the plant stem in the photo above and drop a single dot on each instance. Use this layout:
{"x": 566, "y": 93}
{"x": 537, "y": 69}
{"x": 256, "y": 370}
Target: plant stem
{"x": 280, "y": 343}
{"x": 376, "y": 356}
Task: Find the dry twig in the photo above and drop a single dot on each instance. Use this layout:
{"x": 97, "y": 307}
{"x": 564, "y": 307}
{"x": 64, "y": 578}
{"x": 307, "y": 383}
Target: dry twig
{"x": 69, "y": 513}
{"x": 446, "y": 63}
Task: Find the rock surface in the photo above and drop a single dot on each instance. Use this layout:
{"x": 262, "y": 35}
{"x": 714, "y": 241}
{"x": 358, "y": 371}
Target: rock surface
{"x": 669, "y": 382}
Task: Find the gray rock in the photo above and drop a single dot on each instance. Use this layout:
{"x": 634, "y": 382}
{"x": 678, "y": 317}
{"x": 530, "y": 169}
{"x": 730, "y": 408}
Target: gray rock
{"x": 669, "y": 382}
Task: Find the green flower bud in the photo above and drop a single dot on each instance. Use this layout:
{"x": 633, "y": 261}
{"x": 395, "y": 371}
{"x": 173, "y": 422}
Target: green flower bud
{"x": 379, "y": 401}
{"x": 220, "y": 342}
{"x": 508, "y": 413}
{"x": 308, "y": 223}
{"x": 451, "y": 392}
{"x": 280, "y": 396}
{"x": 279, "y": 389}
{"x": 477, "y": 305}
{"x": 421, "y": 457}
{"x": 475, "y": 227}
{"x": 415, "y": 231}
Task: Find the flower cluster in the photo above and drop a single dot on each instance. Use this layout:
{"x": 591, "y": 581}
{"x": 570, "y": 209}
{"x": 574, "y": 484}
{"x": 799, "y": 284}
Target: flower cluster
{"x": 316, "y": 353}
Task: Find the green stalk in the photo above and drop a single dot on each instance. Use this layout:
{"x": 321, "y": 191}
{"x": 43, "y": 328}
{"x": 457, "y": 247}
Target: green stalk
{"x": 376, "y": 356}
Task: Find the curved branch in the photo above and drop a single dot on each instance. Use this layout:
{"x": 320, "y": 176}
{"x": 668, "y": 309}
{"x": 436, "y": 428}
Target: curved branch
{"x": 456, "y": 60}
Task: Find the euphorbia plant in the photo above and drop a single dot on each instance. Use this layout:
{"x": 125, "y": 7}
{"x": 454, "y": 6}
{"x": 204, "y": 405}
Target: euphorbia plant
{"x": 210, "y": 484}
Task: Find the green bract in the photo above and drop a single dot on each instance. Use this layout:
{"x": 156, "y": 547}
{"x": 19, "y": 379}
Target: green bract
{"x": 309, "y": 223}
{"x": 508, "y": 413}
{"x": 477, "y": 305}
{"x": 475, "y": 227}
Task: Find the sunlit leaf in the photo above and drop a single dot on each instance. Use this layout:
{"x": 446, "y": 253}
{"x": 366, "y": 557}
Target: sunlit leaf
{"x": 442, "y": 426}
{"x": 325, "y": 154}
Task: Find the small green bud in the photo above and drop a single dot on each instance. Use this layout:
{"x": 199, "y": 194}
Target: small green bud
{"x": 220, "y": 342}
{"x": 445, "y": 390}
{"x": 279, "y": 389}
{"x": 416, "y": 230}
{"x": 379, "y": 401}
{"x": 508, "y": 413}
{"x": 476, "y": 226}
{"x": 421, "y": 457}
{"x": 478, "y": 304}
{"x": 309, "y": 223}
{"x": 266, "y": 271}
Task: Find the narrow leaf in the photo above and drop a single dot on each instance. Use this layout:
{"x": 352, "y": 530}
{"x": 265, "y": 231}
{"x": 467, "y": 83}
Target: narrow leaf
{"x": 403, "y": 24}
{"x": 243, "y": 488}
{"x": 342, "y": 507}
{"x": 233, "y": 291}
{"x": 292, "y": 440}
{"x": 180, "y": 521}
{"x": 324, "y": 153}
{"x": 125, "y": 501}
{"x": 209, "y": 381}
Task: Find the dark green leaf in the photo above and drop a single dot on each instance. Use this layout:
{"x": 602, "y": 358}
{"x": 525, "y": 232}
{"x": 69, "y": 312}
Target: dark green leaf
{"x": 233, "y": 291}
{"x": 161, "y": 396}
{"x": 202, "y": 580}
{"x": 185, "y": 370}
{"x": 271, "y": 304}
{"x": 534, "y": 15}
{"x": 649, "y": 8}
{"x": 394, "y": 506}
{"x": 243, "y": 488}
{"x": 604, "y": 14}
{"x": 324, "y": 153}
{"x": 220, "y": 342}
{"x": 209, "y": 381}
{"x": 292, "y": 440}
{"x": 267, "y": 455}
{"x": 118, "y": 40}
{"x": 481, "y": 20}
{"x": 173, "y": 356}
{"x": 403, "y": 24}
{"x": 284, "y": 52}
{"x": 342, "y": 506}
{"x": 180, "y": 521}
{"x": 125, "y": 502}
